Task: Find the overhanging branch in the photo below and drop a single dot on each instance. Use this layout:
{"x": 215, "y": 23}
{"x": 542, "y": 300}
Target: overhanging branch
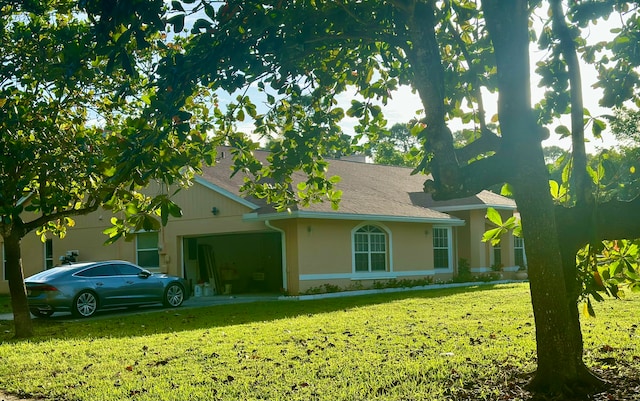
{"x": 612, "y": 220}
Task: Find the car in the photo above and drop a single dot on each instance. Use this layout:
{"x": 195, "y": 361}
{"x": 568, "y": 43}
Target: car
{"x": 84, "y": 288}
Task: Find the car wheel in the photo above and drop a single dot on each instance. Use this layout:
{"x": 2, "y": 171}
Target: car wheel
{"x": 173, "y": 295}
{"x": 41, "y": 313}
{"x": 85, "y": 304}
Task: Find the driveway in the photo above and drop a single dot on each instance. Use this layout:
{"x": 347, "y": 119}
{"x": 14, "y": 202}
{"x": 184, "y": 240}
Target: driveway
{"x": 193, "y": 302}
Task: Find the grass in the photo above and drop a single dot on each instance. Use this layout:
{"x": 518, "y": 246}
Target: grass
{"x": 5, "y": 304}
{"x": 474, "y": 343}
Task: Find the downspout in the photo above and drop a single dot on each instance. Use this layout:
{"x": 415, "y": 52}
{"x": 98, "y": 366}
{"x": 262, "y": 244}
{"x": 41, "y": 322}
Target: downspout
{"x": 285, "y": 284}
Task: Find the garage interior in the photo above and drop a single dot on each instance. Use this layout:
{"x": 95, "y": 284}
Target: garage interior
{"x": 226, "y": 264}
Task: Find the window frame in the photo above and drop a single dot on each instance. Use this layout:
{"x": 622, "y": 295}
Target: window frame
{"x": 48, "y": 246}
{"x": 518, "y": 245}
{"x": 496, "y": 250}
{"x": 156, "y": 249}
{"x": 448, "y": 247}
{"x": 386, "y": 236}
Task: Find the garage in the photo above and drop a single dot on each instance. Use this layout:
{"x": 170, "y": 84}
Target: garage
{"x": 227, "y": 264}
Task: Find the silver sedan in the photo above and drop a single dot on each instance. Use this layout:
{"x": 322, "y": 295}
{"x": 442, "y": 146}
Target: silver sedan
{"x": 84, "y": 288}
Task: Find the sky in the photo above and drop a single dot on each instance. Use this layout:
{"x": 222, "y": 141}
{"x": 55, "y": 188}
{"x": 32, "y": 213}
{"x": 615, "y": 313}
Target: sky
{"x": 405, "y": 105}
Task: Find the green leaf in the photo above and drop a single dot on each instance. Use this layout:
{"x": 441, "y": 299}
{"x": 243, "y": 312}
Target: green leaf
{"x": 178, "y": 22}
{"x": 494, "y": 216}
{"x": 597, "y": 127}
{"x": 177, "y": 6}
{"x": 506, "y": 190}
{"x": 563, "y": 131}
{"x": 209, "y": 10}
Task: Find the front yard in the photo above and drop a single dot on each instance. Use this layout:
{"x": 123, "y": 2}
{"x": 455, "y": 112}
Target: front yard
{"x": 454, "y": 344}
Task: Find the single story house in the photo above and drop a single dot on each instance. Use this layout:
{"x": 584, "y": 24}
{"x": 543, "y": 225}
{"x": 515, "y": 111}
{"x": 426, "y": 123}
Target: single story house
{"x": 386, "y": 228}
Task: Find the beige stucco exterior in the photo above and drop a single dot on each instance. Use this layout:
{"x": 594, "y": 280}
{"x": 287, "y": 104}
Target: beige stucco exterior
{"x": 284, "y": 253}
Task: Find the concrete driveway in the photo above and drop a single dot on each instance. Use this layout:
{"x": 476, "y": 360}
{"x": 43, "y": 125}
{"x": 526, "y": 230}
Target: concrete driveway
{"x": 193, "y": 302}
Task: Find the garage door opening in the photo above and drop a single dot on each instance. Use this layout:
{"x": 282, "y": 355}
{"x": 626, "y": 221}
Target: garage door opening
{"x": 234, "y": 263}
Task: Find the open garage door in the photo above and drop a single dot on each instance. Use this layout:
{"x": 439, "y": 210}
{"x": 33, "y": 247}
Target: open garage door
{"x": 234, "y": 263}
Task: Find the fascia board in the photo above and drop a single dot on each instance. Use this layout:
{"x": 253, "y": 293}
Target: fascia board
{"x": 353, "y": 216}
{"x": 461, "y": 208}
{"x": 226, "y": 193}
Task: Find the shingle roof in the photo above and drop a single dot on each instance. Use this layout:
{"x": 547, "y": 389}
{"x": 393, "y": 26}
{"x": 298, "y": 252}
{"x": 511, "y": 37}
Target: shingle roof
{"x": 383, "y": 192}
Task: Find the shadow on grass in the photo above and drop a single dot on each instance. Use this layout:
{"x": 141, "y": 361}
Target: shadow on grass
{"x": 5, "y": 304}
{"x": 161, "y": 321}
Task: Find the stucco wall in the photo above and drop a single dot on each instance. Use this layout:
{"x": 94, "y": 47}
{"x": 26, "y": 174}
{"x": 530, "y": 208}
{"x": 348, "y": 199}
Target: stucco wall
{"x": 326, "y": 253}
{"x": 87, "y": 236}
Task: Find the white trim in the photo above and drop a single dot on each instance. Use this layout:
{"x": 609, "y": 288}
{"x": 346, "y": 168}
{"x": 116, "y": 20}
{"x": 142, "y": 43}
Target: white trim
{"x": 157, "y": 249}
{"x": 387, "y": 290}
{"x": 53, "y": 261}
{"x": 283, "y": 257}
{"x": 388, "y": 243}
{"x": 449, "y": 246}
{"x": 480, "y": 270}
{"x": 366, "y": 275}
{"x": 451, "y": 221}
{"x": 461, "y": 208}
{"x": 225, "y": 193}
{"x": 523, "y": 248}
{"x": 511, "y": 269}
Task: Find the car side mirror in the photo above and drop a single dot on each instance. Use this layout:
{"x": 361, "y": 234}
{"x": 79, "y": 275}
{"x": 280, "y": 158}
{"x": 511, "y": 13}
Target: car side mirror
{"x": 144, "y": 274}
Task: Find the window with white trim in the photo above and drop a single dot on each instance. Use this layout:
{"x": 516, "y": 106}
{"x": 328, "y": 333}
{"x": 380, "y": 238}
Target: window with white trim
{"x": 496, "y": 257}
{"x": 519, "y": 253}
{"x": 370, "y": 249}
{"x": 442, "y": 247}
{"x": 48, "y": 254}
{"x": 147, "y": 250}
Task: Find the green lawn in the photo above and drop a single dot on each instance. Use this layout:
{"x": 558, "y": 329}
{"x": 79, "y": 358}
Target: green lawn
{"x": 5, "y": 304}
{"x": 452, "y": 344}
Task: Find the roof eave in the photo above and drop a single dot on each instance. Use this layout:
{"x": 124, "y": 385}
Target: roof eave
{"x": 459, "y": 208}
{"x": 350, "y": 216}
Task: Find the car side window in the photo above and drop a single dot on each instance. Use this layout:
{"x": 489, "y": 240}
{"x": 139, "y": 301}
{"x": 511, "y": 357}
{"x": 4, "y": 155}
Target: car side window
{"x": 98, "y": 271}
{"x": 127, "y": 270}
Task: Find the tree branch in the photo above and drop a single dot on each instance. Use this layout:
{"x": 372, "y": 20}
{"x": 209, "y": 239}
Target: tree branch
{"x": 583, "y": 185}
{"x": 423, "y": 53}
{"x": 45, "y": 218}
{"x": 579, "y": 225}
{"x": 475, "y": 177}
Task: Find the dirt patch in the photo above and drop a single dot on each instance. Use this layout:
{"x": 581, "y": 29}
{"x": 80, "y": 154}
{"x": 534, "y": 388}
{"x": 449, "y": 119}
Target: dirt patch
{"x": 7, "y": 397}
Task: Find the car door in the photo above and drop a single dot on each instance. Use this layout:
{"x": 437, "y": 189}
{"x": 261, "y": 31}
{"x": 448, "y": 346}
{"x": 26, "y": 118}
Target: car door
{"x": 141, "y": 286}
{"x": 104, "y": 280}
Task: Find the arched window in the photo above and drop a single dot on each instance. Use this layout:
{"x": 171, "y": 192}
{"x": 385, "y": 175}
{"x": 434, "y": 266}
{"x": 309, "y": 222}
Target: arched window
{"x": 370, "y": 249}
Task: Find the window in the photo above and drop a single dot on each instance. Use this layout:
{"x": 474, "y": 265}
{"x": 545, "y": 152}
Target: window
{"x": 127, "y": 270}
{"x": 370, "y": 249}
{"x": 518, "y": 250}
{"x": 48, "y": 254}
{"x": 98, "y": 271}
{"x": 147, "y": 250}
{"x": 441, "y": 248}
{"x": 497, "y": 255}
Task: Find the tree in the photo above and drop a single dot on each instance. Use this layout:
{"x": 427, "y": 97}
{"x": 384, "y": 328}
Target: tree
{"x": 74, "y": 134}
{"x": 552, "y": 153}
{"x": 451, "y": 52}
{"x": 397, "y": 147}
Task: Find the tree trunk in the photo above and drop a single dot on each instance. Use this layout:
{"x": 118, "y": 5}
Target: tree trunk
{"x": 558, "y": 332}
{"x": 558, "y": 336}
{"x": 17, "y": 289}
